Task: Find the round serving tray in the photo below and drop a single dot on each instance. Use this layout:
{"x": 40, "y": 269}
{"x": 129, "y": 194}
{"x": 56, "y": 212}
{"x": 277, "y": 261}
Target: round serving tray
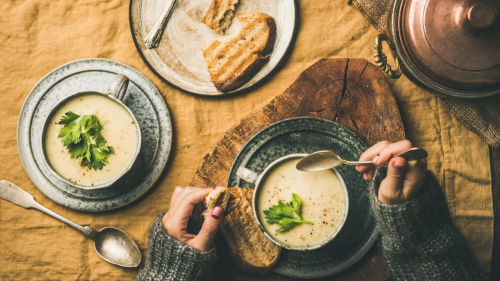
{"x": 178, "y": 59}
{"x": 307, "y": 135}
{"x": 142, "y": 98}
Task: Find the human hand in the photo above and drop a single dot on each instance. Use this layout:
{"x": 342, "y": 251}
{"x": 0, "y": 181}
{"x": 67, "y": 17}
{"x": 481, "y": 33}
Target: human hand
{"x": 404, "y": 178}
{"x": 186, "y": 201}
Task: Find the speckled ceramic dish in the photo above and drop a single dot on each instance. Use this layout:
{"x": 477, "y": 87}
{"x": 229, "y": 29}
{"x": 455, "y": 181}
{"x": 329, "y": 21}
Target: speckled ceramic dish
{"x": 307, "y": 135}
{"x": 95, "y": 75}
{"x": 179, "y": 60}
{"x": 115, "y": 97}
{"x": 252, "y": 177}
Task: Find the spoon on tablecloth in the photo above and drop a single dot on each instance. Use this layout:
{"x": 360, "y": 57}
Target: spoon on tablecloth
{"x": 327, "y": 159}
{"x": 113, "y": 245}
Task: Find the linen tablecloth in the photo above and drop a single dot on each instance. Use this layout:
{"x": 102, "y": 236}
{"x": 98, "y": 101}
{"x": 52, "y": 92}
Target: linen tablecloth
{"x": 37, "y": 36}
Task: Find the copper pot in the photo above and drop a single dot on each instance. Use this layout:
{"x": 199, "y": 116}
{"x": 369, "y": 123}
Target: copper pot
{"x": 449, "y": 47}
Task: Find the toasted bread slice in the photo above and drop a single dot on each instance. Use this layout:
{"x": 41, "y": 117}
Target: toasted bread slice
{"x": 220, "y": 14}
{"x": 234, "y": 62}
{"x": 249, "y": 248}
{"x": 219, "y": 197}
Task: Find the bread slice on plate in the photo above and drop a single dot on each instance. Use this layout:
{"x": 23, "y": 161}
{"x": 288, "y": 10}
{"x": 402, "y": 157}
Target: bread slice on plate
{"x": 249, "y": 248}
{"x": 220, "y": 14}
{"x": 234, "y": 62}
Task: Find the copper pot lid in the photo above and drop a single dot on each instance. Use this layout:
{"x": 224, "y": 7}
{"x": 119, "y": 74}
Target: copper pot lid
{"x": 456, "y": 43}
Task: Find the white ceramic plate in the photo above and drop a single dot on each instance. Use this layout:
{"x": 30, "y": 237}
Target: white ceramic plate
{"x": 179, "y": 60}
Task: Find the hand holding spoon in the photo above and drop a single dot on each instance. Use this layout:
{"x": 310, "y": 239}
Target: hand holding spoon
{"x": 113, "y": 245}
{"x": 327, "y": 159}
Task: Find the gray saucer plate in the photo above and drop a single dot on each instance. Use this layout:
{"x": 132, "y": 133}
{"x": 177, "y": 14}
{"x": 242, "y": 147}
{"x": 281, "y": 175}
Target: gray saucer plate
{"x": 306, "y": 135}
{"x": 142, "y": 98}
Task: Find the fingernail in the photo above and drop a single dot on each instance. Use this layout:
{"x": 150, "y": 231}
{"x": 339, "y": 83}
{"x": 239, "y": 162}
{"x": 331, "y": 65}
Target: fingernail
{"x": 217, "y": 187}
{"x": 357, "y": 167}
{"x": 375, "y": 159}
{"x": 365, "y": 176}
{"x": 217, "y": 212}
{"x": 398, "y": 165}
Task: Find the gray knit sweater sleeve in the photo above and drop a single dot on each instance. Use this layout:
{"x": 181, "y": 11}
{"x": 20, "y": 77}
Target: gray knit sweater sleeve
{"x": 170, "y": 259}
{"x": 419, "y": 239}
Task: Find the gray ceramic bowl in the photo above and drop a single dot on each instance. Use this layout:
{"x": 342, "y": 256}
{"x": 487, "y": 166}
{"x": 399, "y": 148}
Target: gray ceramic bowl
{"x": 252, "y": 177}
{"x": 116, "y": 92}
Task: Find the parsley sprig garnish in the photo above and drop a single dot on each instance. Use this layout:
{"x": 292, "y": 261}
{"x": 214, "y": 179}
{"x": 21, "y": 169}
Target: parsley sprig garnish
{"x": 82, "y": 138}
{"x": 282, "y": 214}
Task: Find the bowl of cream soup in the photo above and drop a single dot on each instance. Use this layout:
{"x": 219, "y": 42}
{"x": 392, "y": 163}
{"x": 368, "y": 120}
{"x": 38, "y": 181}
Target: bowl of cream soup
{"x": 323, "y": 203}
{"x": 91, "y": 139}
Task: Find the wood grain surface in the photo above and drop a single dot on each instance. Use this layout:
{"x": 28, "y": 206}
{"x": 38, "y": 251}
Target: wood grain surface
{"x": 351, "y": 92}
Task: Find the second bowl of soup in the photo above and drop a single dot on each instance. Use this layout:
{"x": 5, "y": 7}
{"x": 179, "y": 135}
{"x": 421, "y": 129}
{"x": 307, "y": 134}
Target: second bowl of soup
{"x": 322, "y": 196}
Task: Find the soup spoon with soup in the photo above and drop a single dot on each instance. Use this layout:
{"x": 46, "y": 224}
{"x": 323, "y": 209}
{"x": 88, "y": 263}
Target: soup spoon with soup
{"x": 327, "y": 159}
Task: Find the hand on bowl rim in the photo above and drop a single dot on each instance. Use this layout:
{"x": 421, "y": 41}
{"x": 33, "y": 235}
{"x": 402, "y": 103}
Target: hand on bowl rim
{"x": 186, "y": 202}
{"x": 404, "y": 178}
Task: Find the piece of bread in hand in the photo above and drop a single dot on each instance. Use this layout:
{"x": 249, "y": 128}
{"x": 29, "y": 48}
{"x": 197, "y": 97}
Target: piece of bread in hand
{"x": 220, "y": 14}
{"x": 234, "y": 62}
{"x": 249, "y": 248}
{"x": 219, "y": 197}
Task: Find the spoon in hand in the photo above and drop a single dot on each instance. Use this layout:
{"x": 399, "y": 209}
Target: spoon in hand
{"x": 327, "y": 159}
{"x": 113, "y": 245}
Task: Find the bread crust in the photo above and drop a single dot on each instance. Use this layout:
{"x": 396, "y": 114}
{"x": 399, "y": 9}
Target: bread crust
{"x": 249, "y": 248}
{"x": 219, "y": 197}
{"x": 236, "y": 82}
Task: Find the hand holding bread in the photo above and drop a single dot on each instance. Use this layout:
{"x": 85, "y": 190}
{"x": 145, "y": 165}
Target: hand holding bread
{"x": 188, "y": 201}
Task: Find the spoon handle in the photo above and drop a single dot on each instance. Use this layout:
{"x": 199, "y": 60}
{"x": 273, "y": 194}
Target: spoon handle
{"x": 152, "y": 40}
{"x": 354, "y": 163}
{"x": 14, "y": 194}
{"x": 411, "y": 154}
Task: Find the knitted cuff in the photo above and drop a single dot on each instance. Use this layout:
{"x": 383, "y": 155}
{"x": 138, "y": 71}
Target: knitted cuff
{"x": 170, "y": 259}
{"x": 408, "y": 227}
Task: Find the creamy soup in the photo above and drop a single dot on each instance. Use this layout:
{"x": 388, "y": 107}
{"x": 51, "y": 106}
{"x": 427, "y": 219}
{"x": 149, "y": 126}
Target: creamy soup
{"x": 322, "y": 196}
{"x": 119, "y": 131}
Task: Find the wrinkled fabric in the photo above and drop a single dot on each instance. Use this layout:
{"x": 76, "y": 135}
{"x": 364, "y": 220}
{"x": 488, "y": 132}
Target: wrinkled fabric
{"x": 37, "y": 36}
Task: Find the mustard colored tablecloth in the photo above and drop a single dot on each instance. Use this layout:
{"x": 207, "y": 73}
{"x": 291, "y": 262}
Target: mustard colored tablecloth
{"x": 37, "y": 36}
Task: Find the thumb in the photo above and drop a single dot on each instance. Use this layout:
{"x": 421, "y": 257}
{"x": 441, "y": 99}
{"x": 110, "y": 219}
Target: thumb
{"x": 390, "y": 187}
{"x": 203, "y": 241}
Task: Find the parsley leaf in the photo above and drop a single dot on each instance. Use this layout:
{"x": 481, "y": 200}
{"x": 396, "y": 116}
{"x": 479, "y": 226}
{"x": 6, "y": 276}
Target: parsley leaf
{"x": 68, "y": 118}
{"x": 296, "y": 205}
{"x": 84, "y": 141}
{"x": 282, "y": 214}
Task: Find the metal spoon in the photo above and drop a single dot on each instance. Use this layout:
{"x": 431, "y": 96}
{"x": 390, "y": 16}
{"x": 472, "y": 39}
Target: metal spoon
{"x": 327, "y": 159}
{"x": 152, "y": 40}
{"x": 113, "y": 245}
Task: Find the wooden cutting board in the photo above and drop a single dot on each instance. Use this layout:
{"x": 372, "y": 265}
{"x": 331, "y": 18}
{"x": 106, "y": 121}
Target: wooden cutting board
{"x": 351, "y": 92}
